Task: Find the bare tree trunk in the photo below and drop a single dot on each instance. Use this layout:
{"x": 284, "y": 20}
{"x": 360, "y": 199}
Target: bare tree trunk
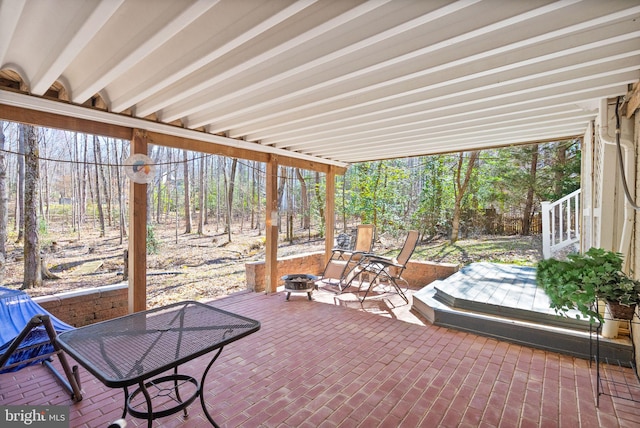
{"x": 344, "y": 204}
{"x": 201, "y": 197}
{"x": 102, "y": 181}
{"x": 187, "y": 194}
{"x": 96, "y": 155}
{"x": 73, "y": 152}
{"x": 32, "y": 263}
{"x": 231, "y": 186}
{"x": 528, "y": 207}
{"x": 221, "y": 162}
{"x": 43, "y": 184}
{"x": 306, "y": 221}
{"x": 84, "y": 181}
{"x": 282, "y": 181}
{"x": 461, "y": 187}
{"x": 108, "y": 185}
{"x": 4, "y": 205}
{"x": 320, "y": 203}
{"x": 376, "y": 184}
{"x": 22, "y": 136}
{"x": 257, "y": 200}
{"x": 243, "y": 202}
{"x": 560, "y": 161}
{"x": 207, "y": 180}
{"x": 160, "y": 174}
{"x": 119, "y": 160}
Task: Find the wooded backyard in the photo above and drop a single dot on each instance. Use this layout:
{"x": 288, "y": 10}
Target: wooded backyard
{"x": 80, "y": 184}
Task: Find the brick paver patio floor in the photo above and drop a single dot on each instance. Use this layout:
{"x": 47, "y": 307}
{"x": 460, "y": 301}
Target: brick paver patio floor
{"x": 327, "y": 365}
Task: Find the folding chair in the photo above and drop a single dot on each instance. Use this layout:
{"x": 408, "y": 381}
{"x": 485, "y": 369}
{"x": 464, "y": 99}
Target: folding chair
{"x": 28, "y": 336}
{"x": 343, "y": 260}
{"x": 381, "y": 269}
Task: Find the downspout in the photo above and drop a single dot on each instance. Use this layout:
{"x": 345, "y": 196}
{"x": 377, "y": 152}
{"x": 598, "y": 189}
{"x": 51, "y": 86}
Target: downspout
{"x": 611, "y": 135}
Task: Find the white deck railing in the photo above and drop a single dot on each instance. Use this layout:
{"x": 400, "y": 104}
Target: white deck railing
{"x": 560, "y": 223}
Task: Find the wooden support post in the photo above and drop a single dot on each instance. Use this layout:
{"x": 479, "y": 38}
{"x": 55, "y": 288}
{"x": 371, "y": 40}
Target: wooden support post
{"x": 330, "y": 210}
{"x": 271, "y": 231}
{"x": 138, "y": 234}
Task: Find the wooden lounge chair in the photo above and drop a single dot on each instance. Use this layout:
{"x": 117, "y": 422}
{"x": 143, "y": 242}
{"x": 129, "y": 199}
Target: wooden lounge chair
{"x": 339, "y": 268}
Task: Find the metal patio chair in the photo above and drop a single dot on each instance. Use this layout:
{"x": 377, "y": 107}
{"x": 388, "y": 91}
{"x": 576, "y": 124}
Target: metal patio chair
{"x": 28, "y": 336}
{"x": 340, "y": 266}
{"x": 379, "y": 269}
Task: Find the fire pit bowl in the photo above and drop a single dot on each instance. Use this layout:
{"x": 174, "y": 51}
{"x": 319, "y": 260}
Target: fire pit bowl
{"x": 299, "y": 282}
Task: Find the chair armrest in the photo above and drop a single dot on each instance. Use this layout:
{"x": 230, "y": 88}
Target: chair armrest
{"x": 386, "y": 261}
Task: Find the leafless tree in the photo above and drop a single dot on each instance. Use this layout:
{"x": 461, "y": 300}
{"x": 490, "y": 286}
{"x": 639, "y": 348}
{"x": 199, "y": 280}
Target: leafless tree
{"x": 528, "y": 207}
{"x": 98, "y": 162}
{"x": 4, "y": 203}
{"x": 461, "y": 185}
{"x": 32, "y": 262}
{"x": 22, "y": 136}
{"x": 201, "y": 196}
{"x": 230, "y": 185}
{"x": 187, "y": 193}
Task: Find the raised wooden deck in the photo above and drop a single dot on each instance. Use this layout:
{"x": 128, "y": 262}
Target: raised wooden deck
{"x": 504, "y": 302}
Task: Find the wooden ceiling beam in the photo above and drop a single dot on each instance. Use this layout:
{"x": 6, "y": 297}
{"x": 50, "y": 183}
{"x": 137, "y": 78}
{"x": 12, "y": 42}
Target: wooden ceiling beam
{"x": 236, "y": 152}
{"x": 70, "y": 123}
{"x": 633, "y": 100}
{"x": 59, "y": 121}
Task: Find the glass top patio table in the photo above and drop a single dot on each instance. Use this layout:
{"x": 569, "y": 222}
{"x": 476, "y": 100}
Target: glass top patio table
{"x": 125, "y": 351}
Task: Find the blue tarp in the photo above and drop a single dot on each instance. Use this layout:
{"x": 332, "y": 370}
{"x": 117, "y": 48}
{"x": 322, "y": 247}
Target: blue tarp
{"x": 16, "y": 310}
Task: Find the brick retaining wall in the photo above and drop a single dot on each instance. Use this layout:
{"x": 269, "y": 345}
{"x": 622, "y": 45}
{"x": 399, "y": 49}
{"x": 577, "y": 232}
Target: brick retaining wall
{"x": 311, "y": 263}
{"x": 418, "y": 273}
{"x": 87, "y": 306}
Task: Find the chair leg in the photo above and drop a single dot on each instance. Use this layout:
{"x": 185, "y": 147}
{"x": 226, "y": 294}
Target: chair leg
{"x": 399, "y": 290}
{"x": 388, "y": 278}
{"x": 372, "y": 280}
{"x": 71, "y": 373}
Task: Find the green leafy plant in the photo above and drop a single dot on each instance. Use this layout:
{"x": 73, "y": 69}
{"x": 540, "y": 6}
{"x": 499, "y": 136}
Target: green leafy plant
{"x": 153, "y": 245}
{"x": 577, "y": 282}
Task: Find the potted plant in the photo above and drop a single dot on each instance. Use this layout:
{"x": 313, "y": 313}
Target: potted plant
{"x": 577, "y": 282}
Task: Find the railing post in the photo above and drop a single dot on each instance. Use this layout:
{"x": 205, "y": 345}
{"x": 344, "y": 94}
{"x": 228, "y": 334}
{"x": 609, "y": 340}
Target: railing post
{"x": 546, "y": 230}
{"x": 560, "y": 223}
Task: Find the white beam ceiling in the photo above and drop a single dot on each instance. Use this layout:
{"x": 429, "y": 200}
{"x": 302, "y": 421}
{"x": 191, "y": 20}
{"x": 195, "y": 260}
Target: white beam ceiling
{"x": 340, "y": 81}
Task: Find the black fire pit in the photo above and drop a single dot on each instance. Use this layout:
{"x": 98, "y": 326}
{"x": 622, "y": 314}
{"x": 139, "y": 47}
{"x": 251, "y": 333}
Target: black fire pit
{"x": 300, "y": 283}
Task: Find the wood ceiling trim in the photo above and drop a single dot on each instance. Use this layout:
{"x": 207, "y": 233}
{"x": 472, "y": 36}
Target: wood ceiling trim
{"x": 59, "y": 121}
{"x": 69, "y": 123}
{"x": 235, "y": 152}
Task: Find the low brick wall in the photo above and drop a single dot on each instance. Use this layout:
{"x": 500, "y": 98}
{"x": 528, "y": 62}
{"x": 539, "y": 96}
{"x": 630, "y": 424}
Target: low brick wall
{"x": 311, "y": 263}
{"x": 418, "y": 273}
{"x": 421, "y": 273}
{"x": 87, "y": 306}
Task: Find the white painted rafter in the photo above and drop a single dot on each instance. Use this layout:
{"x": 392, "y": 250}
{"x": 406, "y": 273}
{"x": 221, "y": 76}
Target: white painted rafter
{"x": 10, "y": 13}
{"x": 59, "y": 59}
{"x": 94, "y": 83}
{"x": 191, "y": 65}
{"x": 200, "y": 119}
{"x": 335, "y": 81}
{"x": 277, "y": 114}
{"x": 169, "y": 113}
